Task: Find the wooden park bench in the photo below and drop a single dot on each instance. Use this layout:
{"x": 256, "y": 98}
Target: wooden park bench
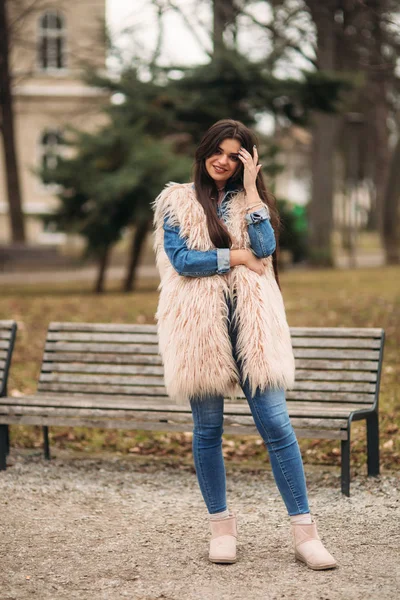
{"x": 8, "y": 331}
{"x": 111, "y": 376}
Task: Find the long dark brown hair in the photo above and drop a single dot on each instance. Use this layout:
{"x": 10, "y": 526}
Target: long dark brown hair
{"x": 206, "y": 188}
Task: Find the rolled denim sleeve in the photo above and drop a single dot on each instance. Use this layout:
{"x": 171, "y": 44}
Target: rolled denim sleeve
{"x": 193, "y": 263}
{"x": 223, "y": 260}
{"x": 261, "y": 233}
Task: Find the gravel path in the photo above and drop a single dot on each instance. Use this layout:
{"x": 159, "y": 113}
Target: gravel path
{"x": 108, "y": 528}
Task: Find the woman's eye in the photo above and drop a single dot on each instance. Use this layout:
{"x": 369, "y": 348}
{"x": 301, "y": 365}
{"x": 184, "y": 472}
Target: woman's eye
{"x": 234, "y": 157}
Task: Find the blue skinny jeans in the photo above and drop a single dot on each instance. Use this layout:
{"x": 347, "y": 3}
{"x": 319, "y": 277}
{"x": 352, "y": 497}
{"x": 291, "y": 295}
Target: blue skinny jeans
{"x": 271, "y": 418}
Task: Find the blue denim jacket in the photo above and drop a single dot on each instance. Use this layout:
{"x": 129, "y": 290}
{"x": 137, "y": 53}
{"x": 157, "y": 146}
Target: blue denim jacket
{"x": 196, "y": 263}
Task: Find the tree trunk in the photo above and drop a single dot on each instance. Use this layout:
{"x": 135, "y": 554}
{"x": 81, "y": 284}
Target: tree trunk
{"x": 8, "y": 134}
{"x": 379, "y": 79}
{"x": 391, "y": 211}
{"x": 218, "y": 28}
{"x": 101, "y": 274}
{"x": 323, "y": 147}
{"x": 138, "y": 241}
{"x": 224, "y": 14}
{"x": 321, "y": 206}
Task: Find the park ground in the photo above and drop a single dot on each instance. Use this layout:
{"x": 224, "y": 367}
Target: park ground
{"x": 109, "y": 527}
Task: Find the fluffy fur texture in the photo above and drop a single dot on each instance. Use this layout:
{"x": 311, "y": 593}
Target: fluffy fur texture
{"x": 192, "y": 314}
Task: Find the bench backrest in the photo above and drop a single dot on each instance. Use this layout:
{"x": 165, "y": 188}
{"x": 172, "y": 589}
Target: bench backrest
{"x": 335, "y": 364}
{"x": 8, "y": 331}
{"x": 102, "y": 359}
{"x": 332, "y": 364}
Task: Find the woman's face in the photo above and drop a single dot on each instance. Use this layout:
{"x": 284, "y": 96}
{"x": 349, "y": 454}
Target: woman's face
{"x": 223, "y": 164}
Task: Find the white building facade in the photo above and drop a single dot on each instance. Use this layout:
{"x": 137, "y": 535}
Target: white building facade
{"x": 51, "y": 43}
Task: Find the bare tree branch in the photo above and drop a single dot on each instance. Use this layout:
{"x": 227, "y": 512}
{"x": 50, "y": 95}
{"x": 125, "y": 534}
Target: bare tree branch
{"x": 190, "y": 26}
{"x": 160, "y": 35}
{"x": 278, "y": 35}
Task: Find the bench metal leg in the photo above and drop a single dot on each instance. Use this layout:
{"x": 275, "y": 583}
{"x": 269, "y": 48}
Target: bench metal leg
{"x": 46, "y": 445}
{"x": 3, "y": 446}
{"x": 373, "y": 444}
{"x": 8, "y": 439}
{"x": 346, "y": 467}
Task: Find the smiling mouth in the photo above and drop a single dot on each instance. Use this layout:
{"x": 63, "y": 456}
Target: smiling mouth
{"x": 219, "y": 169}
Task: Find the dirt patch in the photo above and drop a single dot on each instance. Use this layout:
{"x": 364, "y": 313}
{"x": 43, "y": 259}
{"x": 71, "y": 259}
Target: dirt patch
{"x": 108, "y": 528}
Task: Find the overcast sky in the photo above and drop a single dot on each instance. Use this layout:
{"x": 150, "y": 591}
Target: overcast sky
{"x": 180, "y": 47}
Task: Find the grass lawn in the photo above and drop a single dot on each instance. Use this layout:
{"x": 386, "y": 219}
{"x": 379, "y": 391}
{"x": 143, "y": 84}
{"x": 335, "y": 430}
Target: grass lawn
{"x": 351, "y": 298}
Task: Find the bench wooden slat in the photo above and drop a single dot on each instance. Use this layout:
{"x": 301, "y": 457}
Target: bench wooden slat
{"x": 155, "y": 417}
{"x": 44, "y": 420}
{"x": 91, "y": 347}
{"x": 131, "y": 380}
{"x": 329, "y": 396}
{"x": 331, "y": 353}
{"x": 160, "y": 391}
{"x": 327, "y": 434}
{"x": 149, "y": 328}
{"x": 99, "y": 388}
{"x": 144, "y": 425}
{"x": 7, "y": 324}
{"x": 340, "y": 365}
{"x": 334, "y": 386}
{"x": 102, "y": 412}
{"x": 103, "y": 327}
{"x": 82, "y": 367}
{"x": 156, "y": 403}
{"x": 336, "y": 332}
{"x": 134, "y": 380}
{"x": 338, "y": 397}
{"x": 158, "y": 415}
{"x": 124, "y": 338}
{"x": 92, "y": 357}
{"x": 153, "y": 349}
{"x": 303, "y": 374}
{"x": 152, "y": 404}
{"x": 303, "y": 409}
{"x": 359, "y": 343}
{"x": 322, "y": 408}
{"x": 5, "y": 334}
{"x": 319, "y": 396}
{"x": 121, "y": 338}
{"x": 96, "y": 358}
{"x": 3, "y": 354}
{"x": 5, "y": 344}
{"x": 112, "y": 369}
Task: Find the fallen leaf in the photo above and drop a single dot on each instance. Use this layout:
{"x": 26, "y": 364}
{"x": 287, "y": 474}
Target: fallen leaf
{"x": 388, "y": 445}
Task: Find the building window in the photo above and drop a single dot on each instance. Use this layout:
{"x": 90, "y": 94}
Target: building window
{"x": 52, "y": 41}
{"x": 51, "y": 148}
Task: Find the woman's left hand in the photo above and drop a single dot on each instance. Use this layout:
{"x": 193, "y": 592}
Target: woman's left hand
{"x": 251, "y": 169}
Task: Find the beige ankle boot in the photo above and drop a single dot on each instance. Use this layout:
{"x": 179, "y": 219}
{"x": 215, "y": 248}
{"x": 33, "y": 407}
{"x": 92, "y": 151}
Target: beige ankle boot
{"x": 309, "y": 549}
{"x": 223, "y": 540}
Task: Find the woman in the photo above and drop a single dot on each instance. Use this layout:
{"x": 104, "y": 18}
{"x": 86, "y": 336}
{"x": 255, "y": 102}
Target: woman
{"x": 222, "y": 324}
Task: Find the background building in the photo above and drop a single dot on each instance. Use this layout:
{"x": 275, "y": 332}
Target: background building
{"x": 51, "y": 43}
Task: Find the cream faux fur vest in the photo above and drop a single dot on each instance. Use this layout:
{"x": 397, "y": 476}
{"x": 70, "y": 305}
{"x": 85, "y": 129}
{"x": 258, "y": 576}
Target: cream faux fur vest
{"x": 192, "y": 313}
